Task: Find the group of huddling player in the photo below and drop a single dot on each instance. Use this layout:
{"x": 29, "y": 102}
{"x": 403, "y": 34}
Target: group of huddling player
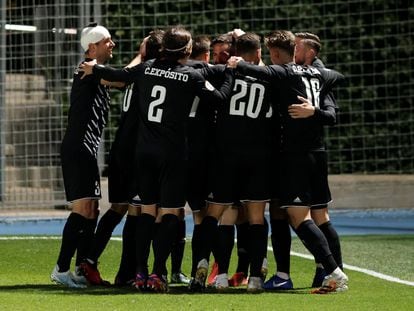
{"x": 229, "y": 139}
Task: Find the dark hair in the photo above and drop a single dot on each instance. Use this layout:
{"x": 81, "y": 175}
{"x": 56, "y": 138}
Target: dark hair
{"x": 154, "y": 44}
{"x": 223, "y": 39}
{"x": 176, "y": 43}
{"x": 310, "y": 40}
{"x": 247, "y": 43}
{"x": 201, "y": 45}
{"x": 282, "y": 39}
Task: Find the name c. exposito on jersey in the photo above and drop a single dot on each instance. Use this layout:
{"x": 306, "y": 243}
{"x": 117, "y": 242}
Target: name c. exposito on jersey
{"x": 168, "y": 74}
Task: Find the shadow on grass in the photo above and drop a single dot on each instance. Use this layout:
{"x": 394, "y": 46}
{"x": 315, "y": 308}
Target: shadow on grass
{"x": 112, "y": 290}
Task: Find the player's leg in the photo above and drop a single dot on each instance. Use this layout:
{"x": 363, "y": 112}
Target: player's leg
{"x": 162, "y": 244}
{"x": 257, "y": 243}
{"x": 281, "y": 243}
{"x": 314, "y": 240}
{"x": 143, "y": 236}
{"x": 172, "y": 199}
{"x": 225, "y": 243}
{"x": 177, "y": 253}
{"x": 75, "y": 236}
{"x": 208, "y": 229}
{"x": 321, "y": 218}
{"x": 106, "y": 226}
{"x": 242, "y": 225}
{"x": 126, "y": 273}
{"x": 319, "y": 212}
{"x": 82, "y": 187}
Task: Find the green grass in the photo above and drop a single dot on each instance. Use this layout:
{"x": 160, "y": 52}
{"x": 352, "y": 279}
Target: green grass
{"x": 26, "y": 266}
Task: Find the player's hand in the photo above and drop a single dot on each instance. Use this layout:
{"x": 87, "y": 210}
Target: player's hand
{"x": 237, "y": 32}
{"x": 303, "y": 110}
{"x": 233, "y": 61}
{"x": 87, "y": 68}
{"x": 142, "y": 47}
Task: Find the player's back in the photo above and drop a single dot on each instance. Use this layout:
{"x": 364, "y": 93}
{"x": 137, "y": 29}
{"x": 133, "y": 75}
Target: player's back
{"x": 244, "y": 122}
{"x": 311, "y": 83}
{"x": 166, "y": 93}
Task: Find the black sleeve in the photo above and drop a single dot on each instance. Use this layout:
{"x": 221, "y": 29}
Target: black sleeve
{"x": 266, "y": 73}
{"x": 127, "y": 75}
{"x": 326, "y": 113}
{"x": 206, "y": 91}
{"x": 212, "y": 72}
{"x": 332, "y": 78}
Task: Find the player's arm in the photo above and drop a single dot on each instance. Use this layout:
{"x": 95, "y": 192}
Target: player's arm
{"x": 266, "y": 73}
{"x": 212, "y": 72}
{"x": 118, "y": 85}
{"x": 325, "y": 114}
{"x": 107, "y": 73}
{"x": 206, "y": 91}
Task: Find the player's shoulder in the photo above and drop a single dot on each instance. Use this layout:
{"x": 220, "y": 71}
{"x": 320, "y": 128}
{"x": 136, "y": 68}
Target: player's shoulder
{"x": 196, "y": 64}
{"x": 318, "y": 63}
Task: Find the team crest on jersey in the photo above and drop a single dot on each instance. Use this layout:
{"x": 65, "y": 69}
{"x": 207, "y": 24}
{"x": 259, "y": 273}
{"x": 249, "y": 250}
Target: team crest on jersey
{"x": 209, "y": 86}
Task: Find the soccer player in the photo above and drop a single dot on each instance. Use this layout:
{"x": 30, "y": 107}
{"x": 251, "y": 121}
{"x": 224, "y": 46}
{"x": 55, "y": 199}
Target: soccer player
{"x": 123, "y": 155}
{"x": 223, "y": 48}
{"x": 308, "y": 46}
{"x": 241, "y": 163}
{"x": 200, "y": 149}
{"x": 88, "y": 113}
{"x": 303, "y": 157}
{"x": 166, "y": 92}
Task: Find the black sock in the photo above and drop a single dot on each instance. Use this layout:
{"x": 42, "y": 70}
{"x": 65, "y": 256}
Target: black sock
{"x": 128, "y": 262}
{"x": 333, "y": 241}
{"x": 195, "y": 248}
{"x": 103, "y": 233}
{"x": 177, "y": 252}
{"x": 225, "y": 247}
{"x": 86, "y": 240}
{"x": 314, "y": 240}
{"x": 208, "y": 236}
{"x": 144, "y": 235}
{"x": 163, "y": 242}
{"x": 281, "y": 242}
{"x": 70, "y": 237}
{"x": 257, "y": 244}
{"x": 242, "y": 246}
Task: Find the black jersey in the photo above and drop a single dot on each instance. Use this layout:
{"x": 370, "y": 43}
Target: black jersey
{"x": 166, "y": 92}
{"x": 88, "y": 114}
{"x": 202, "y": 117}
{"x": 293, "y": 80}
{"x": 244, "y": 123}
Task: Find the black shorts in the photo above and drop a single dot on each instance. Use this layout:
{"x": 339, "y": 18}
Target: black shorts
{"x": 304, "y": 179}
{"x": 162, "y": 179}
{"x": 80, "y": 175}
{"x": 241, "y": 176}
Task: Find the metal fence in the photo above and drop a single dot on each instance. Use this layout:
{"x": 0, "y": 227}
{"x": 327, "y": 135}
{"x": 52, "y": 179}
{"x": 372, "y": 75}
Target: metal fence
{"x": 371, "y": 42}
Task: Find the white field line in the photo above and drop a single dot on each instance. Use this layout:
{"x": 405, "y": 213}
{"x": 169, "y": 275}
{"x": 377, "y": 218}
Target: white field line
{"x": 269, "y": 248}
{"x": 358, "y": 269}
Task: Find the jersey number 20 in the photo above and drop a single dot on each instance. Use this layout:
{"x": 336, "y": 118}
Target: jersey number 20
{"x": 254, "y": 103}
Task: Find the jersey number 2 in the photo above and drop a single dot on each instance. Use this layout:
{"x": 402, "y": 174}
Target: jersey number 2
{"x": 154, "y": 112}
